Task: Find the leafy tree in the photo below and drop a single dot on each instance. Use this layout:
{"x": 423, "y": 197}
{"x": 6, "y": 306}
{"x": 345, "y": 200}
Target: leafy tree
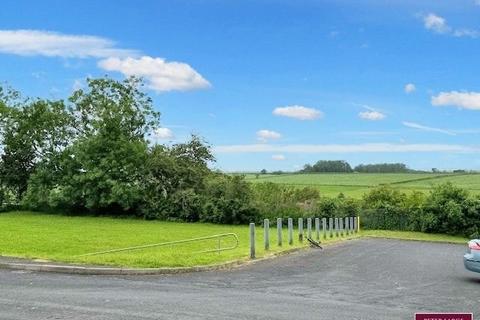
{"x": 102, "y": 170}
{"x": 114, "y": 109}
{"x": 30, "y": 132}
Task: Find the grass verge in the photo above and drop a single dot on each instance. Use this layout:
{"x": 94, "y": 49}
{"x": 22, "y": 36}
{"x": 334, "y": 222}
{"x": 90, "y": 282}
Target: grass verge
{"x": 61, "y": 238}
{"x": 410, "y": 235}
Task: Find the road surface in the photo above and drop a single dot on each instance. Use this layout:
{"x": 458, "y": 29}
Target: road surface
{"x": 359, "y": 279}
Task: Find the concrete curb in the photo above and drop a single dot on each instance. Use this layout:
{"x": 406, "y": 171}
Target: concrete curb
{"x": 94, "y": 270}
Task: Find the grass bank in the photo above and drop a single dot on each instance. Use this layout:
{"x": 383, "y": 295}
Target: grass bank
{"x": 62, "y": 238}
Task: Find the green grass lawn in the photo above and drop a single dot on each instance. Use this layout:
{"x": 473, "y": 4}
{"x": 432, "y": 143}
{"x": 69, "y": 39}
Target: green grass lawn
{"x": 418, "y": 236}
{"x": 62, "y": 238}
{"x": 356, "y": 184}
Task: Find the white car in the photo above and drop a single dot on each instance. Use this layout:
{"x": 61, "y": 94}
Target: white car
{"x": 471, "y": 259}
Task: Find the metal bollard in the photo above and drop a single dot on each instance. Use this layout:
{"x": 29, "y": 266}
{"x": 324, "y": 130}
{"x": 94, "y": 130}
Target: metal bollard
{"x": 252, "y": 240}
{"x": 290, "y": 231}
{"x": 309, "y": 228}
{"x": 336, "y": 227}
{"x": 279, "y": 231}
{"x": 300, "y": 229}
{"x": 317, "y": 228}
{"x": 324, "y": 227}
{"x": 266, "y": 233}
{"x": 330, "y": 226}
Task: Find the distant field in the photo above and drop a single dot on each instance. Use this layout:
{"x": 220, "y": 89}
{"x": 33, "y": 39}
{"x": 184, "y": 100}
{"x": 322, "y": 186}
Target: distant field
{"x": 356, "y": 184}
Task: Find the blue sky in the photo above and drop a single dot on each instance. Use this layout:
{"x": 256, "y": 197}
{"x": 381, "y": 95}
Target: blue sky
{"x": 271, "y": 84}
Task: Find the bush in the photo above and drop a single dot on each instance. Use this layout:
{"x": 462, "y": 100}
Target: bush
{"x": 228, "y": 200}
{"x": 446, "y": 209}
{"x": 449, "y": 209}
{"x": 280, "y": 201}
{"x": 384, "y": 208}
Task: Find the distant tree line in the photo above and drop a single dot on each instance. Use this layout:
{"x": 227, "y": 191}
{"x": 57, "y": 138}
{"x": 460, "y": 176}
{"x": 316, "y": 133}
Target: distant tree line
{"x": 382, "y": 168}
{"x": 343, "y": 166}
{"x": 328, "y": 166}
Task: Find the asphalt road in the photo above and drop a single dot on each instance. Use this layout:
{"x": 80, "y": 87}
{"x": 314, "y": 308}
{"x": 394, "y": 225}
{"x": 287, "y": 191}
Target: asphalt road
{"x": 360, "y": 279}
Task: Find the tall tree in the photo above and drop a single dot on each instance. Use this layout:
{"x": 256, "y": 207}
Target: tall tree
{"x": 30, "y": 132}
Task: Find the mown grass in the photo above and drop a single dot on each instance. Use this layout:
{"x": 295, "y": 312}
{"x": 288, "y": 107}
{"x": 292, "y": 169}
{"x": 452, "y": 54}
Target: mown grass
{"x": 418, "y": 236}
{"x": 62, "y": 238}
{"x": 356, "y": 184}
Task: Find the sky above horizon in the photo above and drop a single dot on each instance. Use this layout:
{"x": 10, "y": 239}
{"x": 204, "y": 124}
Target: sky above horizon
{"x": 271, "y": 84}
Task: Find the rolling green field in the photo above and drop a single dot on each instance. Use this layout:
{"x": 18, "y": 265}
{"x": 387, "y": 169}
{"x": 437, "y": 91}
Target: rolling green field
{"x": 356, "y": 184}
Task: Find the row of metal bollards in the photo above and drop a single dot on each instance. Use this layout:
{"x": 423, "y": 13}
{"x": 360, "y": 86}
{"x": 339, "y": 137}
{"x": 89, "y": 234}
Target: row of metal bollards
{"x": 336, "y": 227}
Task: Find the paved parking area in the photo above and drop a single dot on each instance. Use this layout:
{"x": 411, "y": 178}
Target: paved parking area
{"x": 359, "y": 279}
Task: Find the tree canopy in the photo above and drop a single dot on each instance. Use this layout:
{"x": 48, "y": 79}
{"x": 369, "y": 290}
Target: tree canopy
{"x": 95, "y": 153}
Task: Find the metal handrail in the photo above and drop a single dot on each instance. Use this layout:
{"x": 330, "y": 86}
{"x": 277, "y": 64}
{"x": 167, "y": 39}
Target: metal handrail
{"x": 170, "y": 243}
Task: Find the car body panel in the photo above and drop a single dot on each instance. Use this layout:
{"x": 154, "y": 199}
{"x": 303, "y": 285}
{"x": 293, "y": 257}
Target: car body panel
{"x": 471, "y": 259}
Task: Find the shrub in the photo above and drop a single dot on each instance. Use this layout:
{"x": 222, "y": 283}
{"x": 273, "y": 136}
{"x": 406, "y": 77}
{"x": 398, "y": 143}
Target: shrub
{"x": 276, "y": 200}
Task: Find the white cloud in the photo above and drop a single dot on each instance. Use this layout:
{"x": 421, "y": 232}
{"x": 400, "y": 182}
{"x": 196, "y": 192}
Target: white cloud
{"x": 466, "y": 33}
{"x": 462, "y": 100}
{"x": 439, "y": 24}
{"x": 160, "y": 74}
{"x": 265, "y": 135}
{"x": 163, "y": 133}
{"x": 298, "y": 112}
{"x": 53, "y": 44}
{"x": 371, "y": 115}
{"x": 409, "y": 88}
{"x": 425, "y": 128}
{"x": 278, "y": 157}
{"x": 436, "y": 23}
{"x": 347, "y": 148}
